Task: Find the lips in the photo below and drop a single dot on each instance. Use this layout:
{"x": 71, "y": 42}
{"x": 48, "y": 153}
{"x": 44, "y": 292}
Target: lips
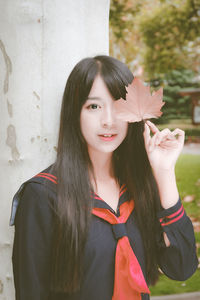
{"x": 107, "y": 136}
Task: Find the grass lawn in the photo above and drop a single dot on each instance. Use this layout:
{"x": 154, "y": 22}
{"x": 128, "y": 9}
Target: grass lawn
{"x": 166, "y": 286}
{"x": 188, "y": 181}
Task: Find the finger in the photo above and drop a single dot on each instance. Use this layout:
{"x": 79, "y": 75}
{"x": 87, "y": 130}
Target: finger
{"x": 146, "y": 135}
{"x": 152, "y": 126}
{"x": 167, "y": 144}
{"x": 181, "y": 135}
{"x": 152, "y": 142}
{"x": 163, "y": 135}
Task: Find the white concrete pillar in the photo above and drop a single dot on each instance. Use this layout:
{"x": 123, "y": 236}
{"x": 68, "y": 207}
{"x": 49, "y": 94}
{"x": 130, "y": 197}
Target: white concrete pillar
{"x": 40, "y": 42}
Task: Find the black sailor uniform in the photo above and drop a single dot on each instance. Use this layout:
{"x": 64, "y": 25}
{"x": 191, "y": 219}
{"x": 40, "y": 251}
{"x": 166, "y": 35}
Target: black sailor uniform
{"x": 33, "y": 218}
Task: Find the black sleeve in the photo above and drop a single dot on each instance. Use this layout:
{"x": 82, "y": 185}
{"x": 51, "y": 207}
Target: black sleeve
{"x": 179, "y": 260}
{"x": 32, "y": 243}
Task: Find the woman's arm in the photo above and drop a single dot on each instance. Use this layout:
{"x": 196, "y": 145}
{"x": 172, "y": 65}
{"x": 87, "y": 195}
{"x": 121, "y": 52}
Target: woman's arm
{"x": 177, "y": 250}
{"x": 177, "y": 260}
{"x": 32, "y": 244}
{"x": 163, "y": 149}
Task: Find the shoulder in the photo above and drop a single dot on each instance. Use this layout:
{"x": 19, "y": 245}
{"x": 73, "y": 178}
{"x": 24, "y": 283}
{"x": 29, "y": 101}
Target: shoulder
{"x": 36, "y": 195}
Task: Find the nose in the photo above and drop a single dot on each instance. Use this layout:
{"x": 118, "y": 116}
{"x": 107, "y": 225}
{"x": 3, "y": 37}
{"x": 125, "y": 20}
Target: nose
{"x": 108, "y": 117}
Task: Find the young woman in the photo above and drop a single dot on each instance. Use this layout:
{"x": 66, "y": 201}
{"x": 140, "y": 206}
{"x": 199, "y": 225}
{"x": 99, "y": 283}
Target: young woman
{"x": 101, "y": 220}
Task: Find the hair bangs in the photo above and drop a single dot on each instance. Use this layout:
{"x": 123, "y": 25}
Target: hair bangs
{"x": 116, "y": 76}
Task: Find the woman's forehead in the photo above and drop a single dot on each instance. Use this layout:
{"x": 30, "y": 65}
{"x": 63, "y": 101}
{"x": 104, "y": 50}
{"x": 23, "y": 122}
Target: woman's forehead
{"x": 99, "y": 89}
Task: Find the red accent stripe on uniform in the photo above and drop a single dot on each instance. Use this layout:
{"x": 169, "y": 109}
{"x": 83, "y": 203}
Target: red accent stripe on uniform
{"x": 121, "y": 188}
{"x": 176, "y": 213}
{"x": 44, "y": 176}
{"x": 174, "y": 220}
{"x": 48, "y": 174}
{"x": 97, "y": 197}
{"x": 122, "y": 192}
{"x": 173, "y": 215}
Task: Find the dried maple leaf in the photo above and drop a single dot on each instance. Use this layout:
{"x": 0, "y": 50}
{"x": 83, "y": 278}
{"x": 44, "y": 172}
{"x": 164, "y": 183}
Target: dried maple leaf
{"x": 139, "y": 103}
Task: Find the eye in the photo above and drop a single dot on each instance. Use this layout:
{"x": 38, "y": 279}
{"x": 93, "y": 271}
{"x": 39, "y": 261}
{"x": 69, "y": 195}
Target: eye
{"x": 93, "y": 106}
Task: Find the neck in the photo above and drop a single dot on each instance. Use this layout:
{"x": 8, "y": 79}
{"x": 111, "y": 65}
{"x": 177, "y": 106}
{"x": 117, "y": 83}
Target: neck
{"x": 102, "y": 165}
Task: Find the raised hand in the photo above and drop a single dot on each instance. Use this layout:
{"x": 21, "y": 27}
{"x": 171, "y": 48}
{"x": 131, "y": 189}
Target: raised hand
{"x": 164, "y": 147}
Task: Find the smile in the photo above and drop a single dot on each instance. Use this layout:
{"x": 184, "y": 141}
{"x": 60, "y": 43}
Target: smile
{"x": 107, "y": 137}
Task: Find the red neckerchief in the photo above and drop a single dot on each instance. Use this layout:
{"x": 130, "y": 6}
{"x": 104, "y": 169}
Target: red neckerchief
{"x": 129, "y": 280}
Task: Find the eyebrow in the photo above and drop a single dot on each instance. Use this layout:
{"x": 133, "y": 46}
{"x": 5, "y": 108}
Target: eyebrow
{"x": 94, "y": 98}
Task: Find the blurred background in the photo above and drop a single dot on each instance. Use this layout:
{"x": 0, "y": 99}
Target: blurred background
{"x": 160, "y": 42}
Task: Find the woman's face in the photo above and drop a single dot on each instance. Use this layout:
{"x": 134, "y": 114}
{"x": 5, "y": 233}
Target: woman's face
{"x": 101, "y": 129}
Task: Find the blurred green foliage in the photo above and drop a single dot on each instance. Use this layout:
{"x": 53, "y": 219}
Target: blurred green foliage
{"x": 121, "y": 14}
{"x": 162, "y": 37}
{"x": 123, "y": 29}
{"x": 176, "y": 106}
{"x": 159, "y": 35}
{"x": 171, "y": 34}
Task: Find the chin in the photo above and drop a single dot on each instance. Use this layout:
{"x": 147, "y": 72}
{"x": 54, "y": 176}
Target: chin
{"x": 108, "y": 149}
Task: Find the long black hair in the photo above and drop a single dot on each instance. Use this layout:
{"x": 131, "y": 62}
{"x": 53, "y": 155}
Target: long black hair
{"x": 130, "y": 163}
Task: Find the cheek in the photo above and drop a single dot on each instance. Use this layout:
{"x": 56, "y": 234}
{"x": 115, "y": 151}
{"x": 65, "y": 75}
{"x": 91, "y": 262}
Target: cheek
{"x": 83, "y": 124}
{"x": 124, "y": 129}
{"x": 86, "y": 126}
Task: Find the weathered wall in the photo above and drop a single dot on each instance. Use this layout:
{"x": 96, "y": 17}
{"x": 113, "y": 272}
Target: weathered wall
{"x": 40, "y": 41}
